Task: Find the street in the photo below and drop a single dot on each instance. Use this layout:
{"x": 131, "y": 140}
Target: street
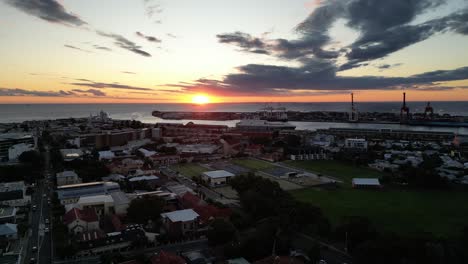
{"x": 39, "y": 245}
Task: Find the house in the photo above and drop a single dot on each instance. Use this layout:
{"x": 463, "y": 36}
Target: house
{"x": 217, "y": 178}
{"x": 207, "y": 212}
{"x": 80, "y": 221}
{"x": 106, "y": 155}
{"x": 366, "y": 183}
{"x": 180, "y": 222}
{"x": 8, "y": 231}
{"x": 356, "y": 143}
{"x": 71, "y": 154}
{"x": 67, "y": 177}
{"x": 167, "y": 258}
{"x": 7, "y": 215}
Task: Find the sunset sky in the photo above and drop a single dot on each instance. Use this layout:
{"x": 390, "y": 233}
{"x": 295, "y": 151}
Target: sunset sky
{"x": 150, "y": 51}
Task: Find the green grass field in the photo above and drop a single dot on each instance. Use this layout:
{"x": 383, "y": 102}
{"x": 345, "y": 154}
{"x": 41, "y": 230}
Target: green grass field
{"x": 336, "y": 169}
{"x": 444, "y": 213}
{"x": 252, "y": 164}
{"x": 189, "y": 169}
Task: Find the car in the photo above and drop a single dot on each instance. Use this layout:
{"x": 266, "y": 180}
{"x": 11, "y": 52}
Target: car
{"x": 34, "y": 249}
{"x": 44, "y": 195}
{"x": 34, "y": 207}
{"x": 46, "y": 230}
{"x": 32, "y": 260}
{"x": 47, "y": 221}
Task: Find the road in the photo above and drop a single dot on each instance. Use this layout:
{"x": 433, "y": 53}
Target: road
{"x": 39, "y": 244}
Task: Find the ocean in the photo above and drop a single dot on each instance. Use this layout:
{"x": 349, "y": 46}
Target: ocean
{"x": 142, "y": 112}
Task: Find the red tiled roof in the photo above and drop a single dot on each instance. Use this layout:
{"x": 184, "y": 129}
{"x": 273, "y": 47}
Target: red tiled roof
{"x": 190, "y": 200}
{"x": 117, "y": 224}
{"x": 207, "y": 212}
{"x": 89, "y": 236}
{"x": 167, "y": 258}
{"x": 86, "y": 215}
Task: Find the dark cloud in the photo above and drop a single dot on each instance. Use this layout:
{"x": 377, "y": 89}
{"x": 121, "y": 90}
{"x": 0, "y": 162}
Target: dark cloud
{"x": 93, "y": 92}
{"x": 317, "y": 76}
{"x": 102, "y": 48}
{"x": 128, "y": 72}
{"x": 124, "y": 43}
{"x": 244, "y": 41}
{"x": 101, "y": 85}
{"x": 48, "y": 10}
{"x": 387, "y": 66}
{"x": 75, "y": 48}
{"x": 23, "y": 92}
{"x": 149, "y": 38}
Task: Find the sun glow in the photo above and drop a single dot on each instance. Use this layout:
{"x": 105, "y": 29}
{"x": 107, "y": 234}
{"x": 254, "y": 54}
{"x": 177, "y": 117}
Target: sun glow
{"x": 200, "y": 99}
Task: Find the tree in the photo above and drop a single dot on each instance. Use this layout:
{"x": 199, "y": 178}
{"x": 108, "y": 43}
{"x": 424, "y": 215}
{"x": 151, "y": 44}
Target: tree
{"x": 31, "y": 157}
{"x": 145, "y": 209}
{"x": 221, "y": 232}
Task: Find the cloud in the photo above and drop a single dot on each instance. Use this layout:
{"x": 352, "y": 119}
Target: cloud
{"x": 128, "y": 72}
{"x": 75, "y": 48}
{"x": 171, "y": 35}
{"x": 90, "y": 91}
{"x": 245, "y": 41}
{"x": 101, "y": 85}
{"x": 256, "y": 79}
{"x": 102, "y": 48}
{"x": 48, "y": 10}
{"x": 23, "y": 92}
{"x": 149, "y": 38}
{"x": 124, "y": 43}
{"x": 387, "y": 66}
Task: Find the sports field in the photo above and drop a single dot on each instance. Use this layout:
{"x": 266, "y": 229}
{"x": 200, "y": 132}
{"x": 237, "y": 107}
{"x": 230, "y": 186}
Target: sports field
{"x": 189, "y": 169}
{"x": 253, "y": 164}
{"x": 339, "y": 170}
{"x": 444, "y": 213}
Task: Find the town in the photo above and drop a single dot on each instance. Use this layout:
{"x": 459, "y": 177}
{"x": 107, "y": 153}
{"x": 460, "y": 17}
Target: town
{"x": 99, "y": 190}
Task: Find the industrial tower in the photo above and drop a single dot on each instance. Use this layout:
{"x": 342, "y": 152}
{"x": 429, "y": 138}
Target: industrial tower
{"x": 404, "y": 111}
{"x": 353, "y": 115}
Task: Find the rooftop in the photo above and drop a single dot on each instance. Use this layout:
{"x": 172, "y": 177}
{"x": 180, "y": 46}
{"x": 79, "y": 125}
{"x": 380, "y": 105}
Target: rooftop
{"x": 95, "y": 199}
{"x": 218, "y": 174}
{"x": 8, "y": 229}
{"x": 181, "y": 215}
{"x": 366, "y": 181}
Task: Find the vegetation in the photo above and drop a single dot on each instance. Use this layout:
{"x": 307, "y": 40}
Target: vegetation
{"x": 145, "y": 209}
{"x": 221, "y": 232}
{"x": 337, "y": 169}
{"x": 442, "y": 213}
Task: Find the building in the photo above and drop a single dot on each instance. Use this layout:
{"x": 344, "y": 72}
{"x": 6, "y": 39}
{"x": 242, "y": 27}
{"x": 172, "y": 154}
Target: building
{"x": 101, "y": 204}
{"x": 217, "y": 178}
{"x": 10, "y": 139}
{"x": 14, "y": 194}
{"x": 16, "y": 150}
{"x": 7, "y": 215}
{"x": 69, "y": 194}
{"x": 71, "y": 154}
{"x": 8, "y": 232}
{"x": 67, "y": 178}
{"x": 106, "y": 154}
{"x": 366, "y": 183}
{"x": 79, "y": 221}
{"x": 181, "y": 222}
{"x": 356, "y": 143}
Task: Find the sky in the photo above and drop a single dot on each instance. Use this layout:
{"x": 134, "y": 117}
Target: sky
{"x": 155, "y": 51}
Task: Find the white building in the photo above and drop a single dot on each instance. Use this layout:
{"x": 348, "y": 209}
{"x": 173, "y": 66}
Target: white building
{"x": 366, "y": 183}
{"x": 67, "y": 177}
{"x": 16, "y": 150}
{"x": 107, "y": 154}
{"x": 71, "y": 154}
{"x": 356, "y": 143}
{"x": 217, "y": 178}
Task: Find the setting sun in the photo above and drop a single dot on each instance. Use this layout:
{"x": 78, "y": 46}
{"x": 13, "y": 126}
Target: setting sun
{"x": 200, "y": 99}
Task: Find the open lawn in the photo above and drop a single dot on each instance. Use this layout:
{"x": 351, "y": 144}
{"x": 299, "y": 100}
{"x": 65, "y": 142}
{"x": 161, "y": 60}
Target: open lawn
{"x": 444, "y": 213}
{"x": 189, "y": 169}
{"x": 339, "y": 170}
{"x": 252, "y": 164}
